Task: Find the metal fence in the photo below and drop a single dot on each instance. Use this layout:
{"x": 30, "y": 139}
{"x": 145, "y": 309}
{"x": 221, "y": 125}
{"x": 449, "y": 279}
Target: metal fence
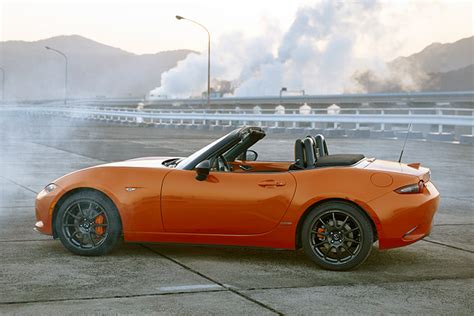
{"x": 447, "y": 124}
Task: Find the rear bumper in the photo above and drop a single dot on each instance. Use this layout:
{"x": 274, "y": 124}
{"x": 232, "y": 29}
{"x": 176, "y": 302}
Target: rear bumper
{"x": 405, "y": 218}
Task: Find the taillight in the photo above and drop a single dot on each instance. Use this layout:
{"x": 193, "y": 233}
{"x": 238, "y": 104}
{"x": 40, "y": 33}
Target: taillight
{"x": 412, "y": 188}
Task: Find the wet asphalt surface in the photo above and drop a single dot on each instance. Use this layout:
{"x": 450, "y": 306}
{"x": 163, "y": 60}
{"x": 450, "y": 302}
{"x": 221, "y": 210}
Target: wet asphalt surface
{"x": 38, "y": 275}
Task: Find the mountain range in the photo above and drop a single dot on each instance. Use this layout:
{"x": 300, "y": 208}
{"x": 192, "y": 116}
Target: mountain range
{"x": 95, "y": 69}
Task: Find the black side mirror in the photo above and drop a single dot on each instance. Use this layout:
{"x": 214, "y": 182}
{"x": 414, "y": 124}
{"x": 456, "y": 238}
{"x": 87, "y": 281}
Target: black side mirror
{"x": 251, "y": 155}
{"x": 202, "y": 170}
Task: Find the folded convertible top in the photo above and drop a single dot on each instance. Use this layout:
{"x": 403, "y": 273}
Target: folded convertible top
{"x": 338, "y": 160}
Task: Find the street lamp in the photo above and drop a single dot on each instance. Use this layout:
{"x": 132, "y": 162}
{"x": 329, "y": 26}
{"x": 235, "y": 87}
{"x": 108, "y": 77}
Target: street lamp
{"x": 3, "y": 84}
{"x": 65, "y": 70}
{"x": 178, "y": 17}
{"x": 283, "y": 89}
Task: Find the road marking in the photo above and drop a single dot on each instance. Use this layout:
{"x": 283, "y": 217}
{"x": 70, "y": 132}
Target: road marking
{"x": 446, "y": 245}
{"x": 190, "y": 288}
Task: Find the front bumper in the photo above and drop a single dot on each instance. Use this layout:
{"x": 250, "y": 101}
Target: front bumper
{"x": 405, "y": 218}
{"x": 44, "y": 207}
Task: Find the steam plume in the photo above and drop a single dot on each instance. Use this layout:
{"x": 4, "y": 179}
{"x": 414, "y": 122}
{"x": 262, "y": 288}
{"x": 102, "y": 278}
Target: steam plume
{"x": 317, "y": 53}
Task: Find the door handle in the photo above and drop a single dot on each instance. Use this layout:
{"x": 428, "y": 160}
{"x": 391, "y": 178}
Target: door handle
{"x": 271, "y": 183}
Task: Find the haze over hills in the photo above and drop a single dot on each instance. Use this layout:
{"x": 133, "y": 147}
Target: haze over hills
{"x": 438, "y": 67}
{"x": 95, "y": 69}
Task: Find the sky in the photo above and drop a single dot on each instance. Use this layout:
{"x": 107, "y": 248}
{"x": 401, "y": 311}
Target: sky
{"x": 149, "y": 26}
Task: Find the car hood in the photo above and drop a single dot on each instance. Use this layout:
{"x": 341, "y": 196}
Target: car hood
{"x": 144, "y": 162}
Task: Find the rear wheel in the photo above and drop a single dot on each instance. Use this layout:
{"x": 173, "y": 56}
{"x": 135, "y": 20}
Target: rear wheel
{"x": 88, "y": 223}
{"x": 337, "y": 236}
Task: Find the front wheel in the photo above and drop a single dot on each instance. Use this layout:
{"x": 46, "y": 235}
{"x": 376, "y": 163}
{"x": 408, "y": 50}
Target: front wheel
{"x": 88, "y": 223}
{"x": 337, "y": 236}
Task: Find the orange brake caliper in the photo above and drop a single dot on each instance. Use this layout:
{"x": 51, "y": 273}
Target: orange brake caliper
{"x": 320, "y": 231}
{"x": 99, "y": 220}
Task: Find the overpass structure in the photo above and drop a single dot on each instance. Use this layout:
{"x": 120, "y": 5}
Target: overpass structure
{"x": 435, "y": 116}
{"x": 465, "y": 98}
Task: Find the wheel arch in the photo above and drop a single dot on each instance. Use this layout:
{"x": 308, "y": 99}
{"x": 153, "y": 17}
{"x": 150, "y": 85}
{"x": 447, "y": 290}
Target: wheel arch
{"x": 320, "y": 202}
{"x": 67, "y": 194}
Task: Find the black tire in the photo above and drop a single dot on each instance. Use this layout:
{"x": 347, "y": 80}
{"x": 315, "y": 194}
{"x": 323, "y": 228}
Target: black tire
{"x": 88, "y": 223}
{"x": 337, "y": 236}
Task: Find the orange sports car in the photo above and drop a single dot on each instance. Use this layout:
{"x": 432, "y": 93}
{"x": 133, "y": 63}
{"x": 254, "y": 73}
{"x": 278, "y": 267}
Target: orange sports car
{"x": 333, "y": 206}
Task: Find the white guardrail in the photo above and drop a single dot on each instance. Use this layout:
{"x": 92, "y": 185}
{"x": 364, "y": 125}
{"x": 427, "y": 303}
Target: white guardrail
{"x": 381, "y": 119}
{"x": 424, "y": 116}
{"x": 463, "y": 117}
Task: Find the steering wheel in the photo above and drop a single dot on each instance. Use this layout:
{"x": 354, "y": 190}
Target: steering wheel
{"x": 221, "y": 164}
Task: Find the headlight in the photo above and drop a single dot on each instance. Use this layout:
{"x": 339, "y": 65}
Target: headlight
{"x": 50, "y": 187}
{"x": 412, "y": 188}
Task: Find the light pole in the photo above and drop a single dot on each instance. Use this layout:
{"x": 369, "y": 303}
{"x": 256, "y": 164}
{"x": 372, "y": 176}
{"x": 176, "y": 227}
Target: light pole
{"x": 65, "y": 70}
{"x": 178, "y": 17}
{"x": 3, "y": 84}
{"x": 281, "y": 91}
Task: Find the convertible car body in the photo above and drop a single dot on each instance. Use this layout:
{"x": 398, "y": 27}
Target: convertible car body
{"x": 334, "y": 206}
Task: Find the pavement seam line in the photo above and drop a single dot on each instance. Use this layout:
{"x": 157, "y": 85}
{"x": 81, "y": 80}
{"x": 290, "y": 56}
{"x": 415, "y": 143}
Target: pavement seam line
{"x": 464, "y": 224}
{"x": 462, "y": 278}
{"x": 25, "y": 240}
{"x": 447, "y": 245}
{"x": 246, "y": 297}
{"x": 18, "y": 184}
{"x": 68, "y": 151}
{"x": 107, "y": 297}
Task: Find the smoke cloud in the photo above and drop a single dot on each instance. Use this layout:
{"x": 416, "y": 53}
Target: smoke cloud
{"x": 319, "y": 53}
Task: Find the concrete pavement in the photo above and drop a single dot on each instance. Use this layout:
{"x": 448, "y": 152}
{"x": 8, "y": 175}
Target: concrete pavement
{"x": 38, "y": 276}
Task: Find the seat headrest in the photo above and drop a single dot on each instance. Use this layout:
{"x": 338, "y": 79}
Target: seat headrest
{"x": 299, "y": 155}
{"x": 310, "y": 154}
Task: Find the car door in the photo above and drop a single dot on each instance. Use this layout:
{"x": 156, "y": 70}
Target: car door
{"x": 226, "y": 202}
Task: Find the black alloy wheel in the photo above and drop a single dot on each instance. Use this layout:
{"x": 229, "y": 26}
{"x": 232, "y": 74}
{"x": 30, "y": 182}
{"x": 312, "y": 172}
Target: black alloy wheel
{"x": 337, "y": 236}
{"x": 88, "y": 223}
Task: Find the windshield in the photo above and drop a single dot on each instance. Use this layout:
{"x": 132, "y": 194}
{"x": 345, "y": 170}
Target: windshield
{"x": 198, "y": 153}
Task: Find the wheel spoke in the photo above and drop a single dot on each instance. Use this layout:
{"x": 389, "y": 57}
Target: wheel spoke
{"x": 338, "y": 253}
{"x": 334, "y": 223}
{"x": 75, "y": 238}
{"x": 320, "y": 243}
{"x": 92, "y": 239}
{"x": 95, "y": 216}
{"x": 80, "y": 210}
{"x": 345, "y": 221}
{"x": 352, "y": 240}
{"x": 328, "y": 251}
{"x": 347, "y": 249}
{"x": 352, "y": 230}
{"x": 72, "y": 215}
{"x": 325, "y": 225}
{"x": 100, "y": 225}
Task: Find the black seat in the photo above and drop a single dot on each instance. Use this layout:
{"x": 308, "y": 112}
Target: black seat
{"x": 299, "y": 156}
{"x": 305, "y": 155}
{"x": 312, "y": 152}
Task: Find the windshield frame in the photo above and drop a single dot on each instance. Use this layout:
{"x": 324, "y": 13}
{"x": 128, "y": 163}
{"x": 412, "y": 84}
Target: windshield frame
{"x": 218, "y": 146}
{"x": 204, "y": 153}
